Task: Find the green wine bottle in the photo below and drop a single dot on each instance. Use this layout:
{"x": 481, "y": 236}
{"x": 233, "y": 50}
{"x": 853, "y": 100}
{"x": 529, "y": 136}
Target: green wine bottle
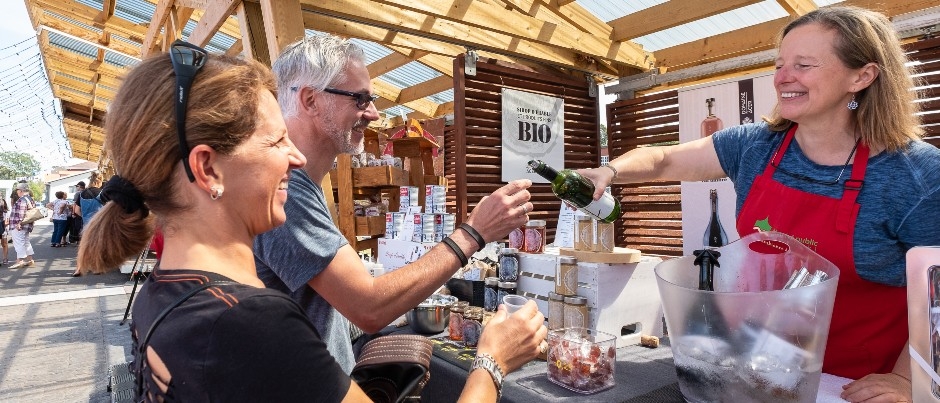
{"x": 577, "y": 190}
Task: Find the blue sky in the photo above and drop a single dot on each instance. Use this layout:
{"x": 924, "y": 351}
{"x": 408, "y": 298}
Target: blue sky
{"x": 28, "y": 117}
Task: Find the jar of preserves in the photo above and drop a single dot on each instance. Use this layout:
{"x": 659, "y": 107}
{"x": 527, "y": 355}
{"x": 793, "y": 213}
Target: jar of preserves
{"x": 556, "y": 311}
{"x": 534, "y": 236}
{"x": 604, "y": 241}
{"x": 455, "y": 326}
{"x": 517, "y": 238}
{"x": 504, "y": 288}
{"x": 509, "y": 264}
{"x": 566, "y": 276}
{"x": 490, "y": 286}
{"x": 576, "y": 312}
{"x": 472, "y": 326}
{"x": 583, "y": 233}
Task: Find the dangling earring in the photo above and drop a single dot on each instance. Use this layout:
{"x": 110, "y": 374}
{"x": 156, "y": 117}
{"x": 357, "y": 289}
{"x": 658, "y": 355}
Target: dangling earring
{"x": 216, "y": 192}
{"x": 853, "y": 104}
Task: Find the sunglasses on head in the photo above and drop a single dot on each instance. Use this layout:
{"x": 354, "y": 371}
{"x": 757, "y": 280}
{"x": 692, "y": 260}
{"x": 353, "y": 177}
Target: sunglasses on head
{"x": 187, "y": 60}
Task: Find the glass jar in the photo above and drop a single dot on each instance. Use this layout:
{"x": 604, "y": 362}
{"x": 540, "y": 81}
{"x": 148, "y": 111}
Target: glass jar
{"x": 576, "y": 312}
{"x": 504, "y": 288}
{"x": 455, "y": 326}
{"x": 556, "y": 311}
{"x": 472, "y": 326}
{"x": 566, "y": 276}
{"x": 517, "y": 238}
{"x": 509, "y": 264}
{"x": 583, "y": 233}
{"x": 534, "y": 236}
{"x": 490, "y": 286}
{"x": 604, "y": 241}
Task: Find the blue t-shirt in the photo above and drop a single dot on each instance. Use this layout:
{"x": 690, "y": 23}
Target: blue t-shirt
{"x": 289, "y": 256}
{"x": 900, "y": 198}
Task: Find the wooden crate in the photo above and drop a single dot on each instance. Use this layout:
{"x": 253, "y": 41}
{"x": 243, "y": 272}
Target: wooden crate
{"x": 369, "y": 226}
{"x": 383, "y": 176}
{"x": 621, "y": 297}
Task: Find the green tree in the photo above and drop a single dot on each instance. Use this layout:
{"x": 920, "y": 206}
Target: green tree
{"x": 603, "y": 135}
{"x": 36, "y": 189}
{"x": 15, "y": 165}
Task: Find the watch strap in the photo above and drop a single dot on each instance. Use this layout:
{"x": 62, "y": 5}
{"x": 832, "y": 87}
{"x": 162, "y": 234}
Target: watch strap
{"x": 488, "y": 363}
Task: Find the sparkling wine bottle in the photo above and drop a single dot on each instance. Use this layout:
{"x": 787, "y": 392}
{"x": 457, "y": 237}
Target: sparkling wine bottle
{"x": 715, "y": 235}
{"x": 711, "y": 123}
{"x": 577, "y": 190}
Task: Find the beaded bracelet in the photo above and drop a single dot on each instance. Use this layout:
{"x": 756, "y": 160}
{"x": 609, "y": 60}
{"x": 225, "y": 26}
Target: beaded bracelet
{"x": 457, "y": 251}
{"x": 473, "y": 234}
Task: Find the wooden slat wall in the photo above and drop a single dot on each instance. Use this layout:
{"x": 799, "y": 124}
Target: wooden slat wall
{"x": 473, "y": 155}
{"x": 927, "y": 53}
{"x": 652, "y": 212}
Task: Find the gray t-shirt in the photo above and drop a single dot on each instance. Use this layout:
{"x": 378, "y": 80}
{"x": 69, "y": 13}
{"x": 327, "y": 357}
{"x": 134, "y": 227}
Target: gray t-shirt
{"x": 900, "y": 198}
{"x": 289, "y": 256}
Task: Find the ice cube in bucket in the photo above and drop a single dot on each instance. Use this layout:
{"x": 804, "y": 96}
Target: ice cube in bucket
{"x": 750, "y": 339}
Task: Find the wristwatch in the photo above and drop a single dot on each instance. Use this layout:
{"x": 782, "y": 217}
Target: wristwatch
{"x": 487, "y": 362}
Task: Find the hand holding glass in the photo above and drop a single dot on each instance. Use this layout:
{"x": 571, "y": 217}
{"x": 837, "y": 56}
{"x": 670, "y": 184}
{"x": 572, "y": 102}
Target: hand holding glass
{"x": 514, "y": 302}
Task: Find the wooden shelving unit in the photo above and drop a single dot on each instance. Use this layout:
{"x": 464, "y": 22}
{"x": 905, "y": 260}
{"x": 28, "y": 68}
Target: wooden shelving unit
{"x": 359, "y": 183}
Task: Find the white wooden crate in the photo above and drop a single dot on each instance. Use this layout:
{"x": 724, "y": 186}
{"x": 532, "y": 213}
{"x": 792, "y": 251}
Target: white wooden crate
{"x": 622, "y": 298}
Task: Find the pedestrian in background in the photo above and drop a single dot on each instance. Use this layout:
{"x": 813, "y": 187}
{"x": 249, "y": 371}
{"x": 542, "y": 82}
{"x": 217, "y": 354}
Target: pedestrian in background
{"x": 60, "y": 213}
{"x": 20, "y": 232}
{"x": 4, "y": 234}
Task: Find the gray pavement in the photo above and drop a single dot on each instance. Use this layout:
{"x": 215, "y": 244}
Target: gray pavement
{"x": 59, "y": 334}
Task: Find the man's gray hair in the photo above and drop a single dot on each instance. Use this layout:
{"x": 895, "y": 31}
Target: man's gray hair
{"x": 316, "y": 61}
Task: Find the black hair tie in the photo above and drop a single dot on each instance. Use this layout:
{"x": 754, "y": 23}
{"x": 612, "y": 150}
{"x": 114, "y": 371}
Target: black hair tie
{"x": 125, "y": 194}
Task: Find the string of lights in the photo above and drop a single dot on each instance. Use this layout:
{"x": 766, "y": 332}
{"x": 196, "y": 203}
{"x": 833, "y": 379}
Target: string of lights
{"x": 30, "y": 115}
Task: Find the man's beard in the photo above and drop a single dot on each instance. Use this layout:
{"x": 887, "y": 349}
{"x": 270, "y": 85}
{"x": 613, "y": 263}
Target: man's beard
{"x": 342, "y": 139}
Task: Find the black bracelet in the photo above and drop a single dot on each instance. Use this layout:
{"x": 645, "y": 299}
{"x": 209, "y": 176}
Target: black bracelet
{"x": 457, "y": 251}
{"x": 473, "y": 234}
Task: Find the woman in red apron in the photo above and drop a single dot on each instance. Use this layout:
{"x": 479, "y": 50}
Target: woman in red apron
{"x": 843, "y": 101}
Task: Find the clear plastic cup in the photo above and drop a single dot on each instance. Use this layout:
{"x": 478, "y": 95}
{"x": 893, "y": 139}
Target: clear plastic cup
{"x": 514, "y": 302}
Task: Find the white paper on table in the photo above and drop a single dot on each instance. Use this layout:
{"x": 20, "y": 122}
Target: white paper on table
{"x": 830, "y": 387}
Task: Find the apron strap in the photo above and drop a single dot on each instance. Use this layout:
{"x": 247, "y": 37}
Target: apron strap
{"x": 851, "y": 188}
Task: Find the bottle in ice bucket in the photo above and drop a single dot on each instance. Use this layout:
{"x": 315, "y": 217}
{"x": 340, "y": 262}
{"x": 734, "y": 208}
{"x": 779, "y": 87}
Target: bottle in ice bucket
{"x": 577, "y": 190}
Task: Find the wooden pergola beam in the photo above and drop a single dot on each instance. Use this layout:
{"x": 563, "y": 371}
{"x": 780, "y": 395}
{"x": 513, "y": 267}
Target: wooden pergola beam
{"x": 437, "y": 29}
{"x": 797, "y": 8}
{"x": 486, "y": 17}
{"x": 160, "y": 15}
{"x": 668, "y": 15}
{"x": 217, "y": 11}
{"x": 568, "y": 12}
{"x": 253, "y": 43}
{"x": 425, "y": 89}
{"x": 283, "y": 24}
{"x": 107, "y": 11}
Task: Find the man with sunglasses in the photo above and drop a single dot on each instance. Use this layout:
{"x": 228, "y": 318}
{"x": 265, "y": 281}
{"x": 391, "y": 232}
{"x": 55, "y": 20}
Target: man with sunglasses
{"x": 325, "y": 94}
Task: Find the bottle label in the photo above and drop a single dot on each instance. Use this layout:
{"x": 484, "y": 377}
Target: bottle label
{"x": 602, "y": 208}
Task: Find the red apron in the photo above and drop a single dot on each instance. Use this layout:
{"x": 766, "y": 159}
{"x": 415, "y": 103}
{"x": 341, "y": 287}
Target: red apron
{"x": 869, "y": 325}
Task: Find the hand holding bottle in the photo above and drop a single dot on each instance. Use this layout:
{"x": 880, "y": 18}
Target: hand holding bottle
{"x": 602, "y": 178}
{"x": 502, "y": 211}
{"x": 579, "y": 191}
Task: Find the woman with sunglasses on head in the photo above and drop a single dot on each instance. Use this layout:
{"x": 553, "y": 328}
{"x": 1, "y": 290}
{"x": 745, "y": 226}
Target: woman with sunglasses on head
{"x": 204, "y": 327}
{"x": 839, "y": 163}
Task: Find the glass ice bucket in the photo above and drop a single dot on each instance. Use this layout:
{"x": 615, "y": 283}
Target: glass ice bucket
{"x": 759, "y": 336}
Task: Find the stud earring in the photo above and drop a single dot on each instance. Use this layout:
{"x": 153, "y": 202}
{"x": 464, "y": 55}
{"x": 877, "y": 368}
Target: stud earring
{"x": 853, "y": 104}
{"x": 216, "y": 192}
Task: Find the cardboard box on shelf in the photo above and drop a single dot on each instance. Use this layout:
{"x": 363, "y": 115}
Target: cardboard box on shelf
{"x": 623, "y": 298}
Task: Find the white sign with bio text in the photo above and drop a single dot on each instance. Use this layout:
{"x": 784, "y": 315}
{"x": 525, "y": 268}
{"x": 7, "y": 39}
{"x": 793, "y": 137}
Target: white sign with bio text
{"x": 533, "y": 128}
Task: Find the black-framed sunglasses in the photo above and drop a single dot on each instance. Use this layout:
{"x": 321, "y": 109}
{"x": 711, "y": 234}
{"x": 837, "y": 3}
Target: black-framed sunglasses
{"x": 363, "y": 99}
{"x": 187, "y": 60}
